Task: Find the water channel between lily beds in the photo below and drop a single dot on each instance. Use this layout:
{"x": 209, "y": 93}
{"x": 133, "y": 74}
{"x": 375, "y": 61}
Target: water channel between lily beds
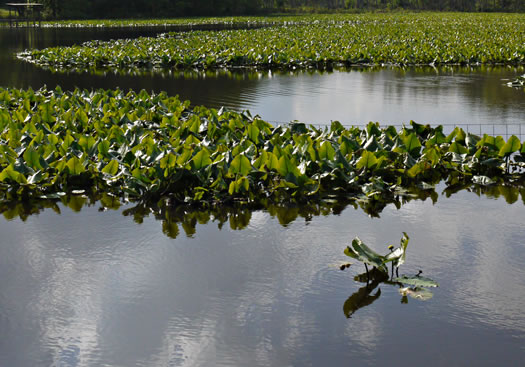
{"x": 445, "y": 95}
{"x": 89, "y": 288}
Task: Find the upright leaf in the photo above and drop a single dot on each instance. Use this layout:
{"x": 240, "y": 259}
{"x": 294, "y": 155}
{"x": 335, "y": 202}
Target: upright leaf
{"x": 201, "y": 159}
{"x": 368, "y": 160}
{"x": 512, "y": 145}
{"x": 111, "y": 168}
{"x": 240, "y": 165}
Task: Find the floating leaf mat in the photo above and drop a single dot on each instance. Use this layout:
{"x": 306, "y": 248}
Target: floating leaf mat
{"x": 147, "y": 147}
{"x": 311, "y": 42}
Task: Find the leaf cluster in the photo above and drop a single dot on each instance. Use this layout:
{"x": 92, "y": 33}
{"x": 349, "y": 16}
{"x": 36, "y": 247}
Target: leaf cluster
{"x": 366, "y": 255}
{"x": 371, "y": 39}
{"x": 149, "y": 146}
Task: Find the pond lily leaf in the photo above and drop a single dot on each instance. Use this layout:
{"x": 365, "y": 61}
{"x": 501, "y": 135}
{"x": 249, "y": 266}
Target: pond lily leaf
{"x": 365, "y": 254}
{"x": 412, "y": 143}
{"x": 103, "y": 148}
{"x": 253, "y": 133}
{"x": 512, "y": 145}
{"x": 201, "y": 159}
{"x": 368, "y": 160}
{"x": 326, "y": 151}
{"x": 457, "y": 148}
{"x": 10, "y": 173}
{"x": 286, "y": 167}
{"x": 111, "y": 168}
{"x": 32, "y": 158}
{"x": 397, "y": 257}
{"x": 75, "y": 166}
{"x": 240, "y": 165}
{"x": 416, "y": 281}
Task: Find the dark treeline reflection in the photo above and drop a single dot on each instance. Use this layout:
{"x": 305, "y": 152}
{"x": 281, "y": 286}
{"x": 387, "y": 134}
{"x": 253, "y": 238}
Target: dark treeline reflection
{"x": 180, "y": 218}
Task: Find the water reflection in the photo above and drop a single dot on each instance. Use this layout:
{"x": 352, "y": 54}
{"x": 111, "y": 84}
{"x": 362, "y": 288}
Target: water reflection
{"x": 186, "y": 218}
{"x": 363, "y": 297}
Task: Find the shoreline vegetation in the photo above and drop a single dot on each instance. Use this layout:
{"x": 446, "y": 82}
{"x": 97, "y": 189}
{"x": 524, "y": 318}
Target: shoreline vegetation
{"x": 273, "y": 19}
{"x": 319, "y": 42}
{"x": 143, "y": 9}
{"x": 150, "y": 148}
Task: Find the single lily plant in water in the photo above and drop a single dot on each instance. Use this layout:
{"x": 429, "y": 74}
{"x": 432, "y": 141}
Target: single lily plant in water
{"x": 414, "y": 286}
{"x": 367, "y": 256}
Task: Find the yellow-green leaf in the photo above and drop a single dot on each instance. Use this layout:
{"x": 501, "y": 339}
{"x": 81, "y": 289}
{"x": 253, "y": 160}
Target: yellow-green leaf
{"x": 111, "y": 168}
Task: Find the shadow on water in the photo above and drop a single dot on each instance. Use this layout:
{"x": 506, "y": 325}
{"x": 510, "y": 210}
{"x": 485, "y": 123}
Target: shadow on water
{"x": 177, "y": 217}
{"x": 363, "y": 296}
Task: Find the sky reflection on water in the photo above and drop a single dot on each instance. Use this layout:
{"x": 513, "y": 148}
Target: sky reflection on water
{"x": 93, "y": 288}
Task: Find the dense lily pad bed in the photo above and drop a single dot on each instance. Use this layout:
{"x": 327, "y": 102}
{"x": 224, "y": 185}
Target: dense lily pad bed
{"x": 148, "y": 147}
{"x": 399, "y": 39}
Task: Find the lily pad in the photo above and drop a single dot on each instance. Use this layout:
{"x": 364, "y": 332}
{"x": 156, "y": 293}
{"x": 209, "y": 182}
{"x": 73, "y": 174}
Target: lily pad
{"x": 416, "y": 281}
{"x": 365, "y": 254}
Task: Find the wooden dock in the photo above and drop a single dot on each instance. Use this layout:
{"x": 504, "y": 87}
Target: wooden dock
{"x": 24, "y": 14}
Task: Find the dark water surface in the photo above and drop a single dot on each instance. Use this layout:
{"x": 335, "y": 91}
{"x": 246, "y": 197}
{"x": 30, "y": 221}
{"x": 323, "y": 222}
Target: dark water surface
{"x": 93, "y": 288}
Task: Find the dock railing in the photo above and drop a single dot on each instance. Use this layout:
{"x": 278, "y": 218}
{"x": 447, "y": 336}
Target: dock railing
{"x": 503, "y": 130}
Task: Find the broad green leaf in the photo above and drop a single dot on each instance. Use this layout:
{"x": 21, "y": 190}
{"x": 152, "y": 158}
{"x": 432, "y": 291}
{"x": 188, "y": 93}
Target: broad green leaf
{"x": 53, "y": 139}
{"x": 201, "y": 159}
{"x": 431, "y": 154}
{"x": 10, "y": 173}
{"x": 240, "y": 165}
{"x": 326, "y": 151}
{"x": 253, "y": 133}
{"x": 46, "y": 113}
{"x": 86, "y": 142}
{"x": 168, "y": 161}
{"x": 368, "y": 160}
{"x": 363, "y": 253}
{"x": 273, "y": 162}
{"x": 287, "y": 167}
{"x": 412, "y": 143}
{"x": 416, "y": 281}
{"x": 103, "y": 148}
{"x": 457, "y": 148}
{"x": 241, "y": 184}
{"x": 75, "y": 166}
{"x": 512, "y": 145}
{"x": 111, "y": 168}
{"x": 184, "y": 157}
{"x": 32, "y": 158}
{"x": 82, "y": 117}
{"x": 416, "y": 169}
{"x": 260, "y": 162}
